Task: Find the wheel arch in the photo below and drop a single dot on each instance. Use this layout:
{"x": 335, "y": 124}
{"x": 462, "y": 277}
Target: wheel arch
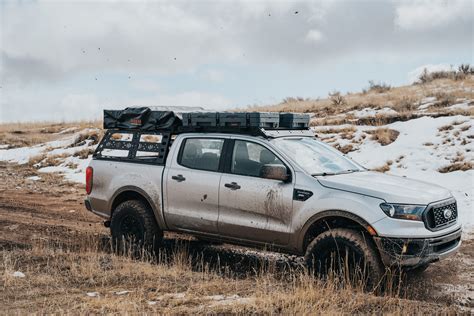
{"x": 330, "y": 219}
{"x": 134, "y": 193}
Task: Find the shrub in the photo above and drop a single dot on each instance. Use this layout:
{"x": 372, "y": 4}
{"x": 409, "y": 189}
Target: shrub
{"x": 337, "y": 99}
{"x": 380, "y": 87}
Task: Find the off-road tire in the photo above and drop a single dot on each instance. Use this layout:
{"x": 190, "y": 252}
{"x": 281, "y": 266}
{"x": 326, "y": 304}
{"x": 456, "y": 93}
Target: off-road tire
{"x": 328, "y": 251}
{"x": 134, "y": 229}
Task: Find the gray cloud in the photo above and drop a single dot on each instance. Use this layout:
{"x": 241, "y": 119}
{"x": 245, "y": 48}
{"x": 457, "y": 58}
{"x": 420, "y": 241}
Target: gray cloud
{"x": 176, "y": 37}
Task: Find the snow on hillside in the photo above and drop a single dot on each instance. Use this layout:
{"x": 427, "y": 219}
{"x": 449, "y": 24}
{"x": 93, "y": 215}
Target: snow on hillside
{"x": 423, "y": 146}
{"x": 68, "y": 155}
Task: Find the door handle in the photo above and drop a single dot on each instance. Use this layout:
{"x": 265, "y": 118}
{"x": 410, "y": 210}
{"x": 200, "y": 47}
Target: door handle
{"x": 232, "y": 186}
{"x": 178, "y": 178}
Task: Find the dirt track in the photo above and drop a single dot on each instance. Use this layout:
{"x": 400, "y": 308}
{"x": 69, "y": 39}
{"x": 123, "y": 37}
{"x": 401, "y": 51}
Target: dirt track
{"x": 53, "y": 208}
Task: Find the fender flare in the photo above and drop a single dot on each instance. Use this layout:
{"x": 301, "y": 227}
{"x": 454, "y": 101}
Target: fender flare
{"x": 156, "y": 208}
{"x": 326, "y": 214}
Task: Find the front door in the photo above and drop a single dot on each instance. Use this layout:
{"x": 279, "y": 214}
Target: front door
{"x": 251, "y": 207}
{"x": 192, "y": 186}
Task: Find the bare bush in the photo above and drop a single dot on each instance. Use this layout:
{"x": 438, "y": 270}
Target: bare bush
{"x": 337, "y": 99}
{"x": 466, "y": 69}
{"x": 380, "y": 87}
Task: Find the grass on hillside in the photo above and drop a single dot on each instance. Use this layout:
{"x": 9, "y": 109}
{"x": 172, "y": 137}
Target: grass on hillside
{"x": 405, "y": 100}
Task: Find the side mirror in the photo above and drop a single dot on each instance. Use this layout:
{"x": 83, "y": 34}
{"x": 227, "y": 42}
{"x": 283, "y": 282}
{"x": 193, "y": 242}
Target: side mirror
{"x": 275, "y": 172}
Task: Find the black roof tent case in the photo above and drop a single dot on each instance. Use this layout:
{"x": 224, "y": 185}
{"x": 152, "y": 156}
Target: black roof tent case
{"x": 200, "y": 119}
{"x": 252, "y": 119}
{"x": 231, "y": 119}
{"x": 142, "y": 118}
{"x": 294, "y": 120}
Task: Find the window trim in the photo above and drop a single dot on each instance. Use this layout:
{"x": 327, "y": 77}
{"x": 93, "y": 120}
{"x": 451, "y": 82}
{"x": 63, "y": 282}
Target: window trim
{"x": 229, "y": 157}
{"x": 220, "y": 165}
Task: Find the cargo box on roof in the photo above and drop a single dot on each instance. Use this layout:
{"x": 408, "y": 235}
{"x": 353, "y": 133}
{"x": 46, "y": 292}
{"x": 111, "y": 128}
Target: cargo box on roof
{"x": 252, "y": 119}
{"x": 200, "y": 119}
{"x": 142, "y": 118}
{"x": 294, "y": 120}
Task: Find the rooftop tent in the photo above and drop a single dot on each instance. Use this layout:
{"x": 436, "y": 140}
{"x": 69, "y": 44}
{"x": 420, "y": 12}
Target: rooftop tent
{"x": 143, "y": 118}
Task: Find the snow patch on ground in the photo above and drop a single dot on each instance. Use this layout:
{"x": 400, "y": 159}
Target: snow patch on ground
{"x": 72, "y": 167}
{"x": 460, "y": 106}
{"x": 368, "y": 112}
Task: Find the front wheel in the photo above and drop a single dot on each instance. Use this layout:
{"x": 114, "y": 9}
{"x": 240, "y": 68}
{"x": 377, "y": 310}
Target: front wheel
{"x": 134, "y": 228}
{"x": 345, "y": 253}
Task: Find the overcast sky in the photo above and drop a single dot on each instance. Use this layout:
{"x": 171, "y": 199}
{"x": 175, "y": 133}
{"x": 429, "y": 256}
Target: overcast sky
{"x": 67, "y": 60}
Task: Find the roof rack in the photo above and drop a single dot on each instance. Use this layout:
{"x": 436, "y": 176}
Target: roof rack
{"x": 147, "y": 119}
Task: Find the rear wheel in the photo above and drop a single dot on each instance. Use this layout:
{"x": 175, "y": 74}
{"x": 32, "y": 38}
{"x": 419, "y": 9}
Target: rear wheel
{"x": 346, "y": 254}
{"x": 134, "y": 228}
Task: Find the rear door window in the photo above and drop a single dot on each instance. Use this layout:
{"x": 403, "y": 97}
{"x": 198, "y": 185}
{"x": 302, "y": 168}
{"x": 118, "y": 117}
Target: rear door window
{"x": 201, "y": 153}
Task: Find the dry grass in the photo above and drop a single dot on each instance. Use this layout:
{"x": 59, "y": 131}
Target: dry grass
{"x": 29, "y": 134}
{"x": 347, "y": 129}
{"x": 457, "y": 166}
{"x": 84, "y": 153}
{"x": 384, "y": 136}
{"x": 405, "y": 100}
{"x": 384, "y": 168}
{"x": 59, "y": 275}
{"x": 445, "y": 128}
{"x": 345, "y": 149}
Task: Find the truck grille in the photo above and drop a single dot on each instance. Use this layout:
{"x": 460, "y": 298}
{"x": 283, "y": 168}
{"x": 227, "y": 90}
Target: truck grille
{"x": 441, "y": 215}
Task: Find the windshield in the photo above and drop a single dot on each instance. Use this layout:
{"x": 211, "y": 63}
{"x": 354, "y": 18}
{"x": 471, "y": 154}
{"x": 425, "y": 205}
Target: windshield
{"x": 315, "y": 157}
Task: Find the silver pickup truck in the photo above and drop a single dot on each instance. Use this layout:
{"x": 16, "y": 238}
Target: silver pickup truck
{"x": 279, "y": 189}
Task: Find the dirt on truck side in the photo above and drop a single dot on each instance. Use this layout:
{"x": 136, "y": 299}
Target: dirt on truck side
{"x": 56, "y": 257}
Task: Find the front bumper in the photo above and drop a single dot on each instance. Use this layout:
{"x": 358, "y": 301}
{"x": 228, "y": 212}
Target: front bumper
{"x": 415, "y": 252}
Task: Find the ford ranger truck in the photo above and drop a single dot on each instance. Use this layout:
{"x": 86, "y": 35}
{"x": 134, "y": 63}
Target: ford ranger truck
{"x": 279, "y": 189}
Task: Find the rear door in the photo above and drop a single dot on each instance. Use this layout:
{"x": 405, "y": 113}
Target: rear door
{"x": 192, "y": 185}
{"x": 252, "y": 207}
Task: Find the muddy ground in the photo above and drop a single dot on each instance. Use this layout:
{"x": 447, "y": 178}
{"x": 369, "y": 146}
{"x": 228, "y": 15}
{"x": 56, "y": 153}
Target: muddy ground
{"x": 51, "y": 208}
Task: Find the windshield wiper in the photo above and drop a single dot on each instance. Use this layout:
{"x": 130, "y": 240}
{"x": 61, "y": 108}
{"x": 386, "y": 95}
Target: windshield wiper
{"x": 324, "y": 174}
{"x": 335, "y": 173}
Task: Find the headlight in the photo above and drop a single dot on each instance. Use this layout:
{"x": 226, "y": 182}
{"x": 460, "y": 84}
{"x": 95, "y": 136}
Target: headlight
{"x": 403, "y": 211}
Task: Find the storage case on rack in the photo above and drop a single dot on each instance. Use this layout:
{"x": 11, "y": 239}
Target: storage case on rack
{"x": 252, "y": 119}
{"x": 200, "y": 119}
{"x": 294, "y": 120}
{"x": 142, "y": 118}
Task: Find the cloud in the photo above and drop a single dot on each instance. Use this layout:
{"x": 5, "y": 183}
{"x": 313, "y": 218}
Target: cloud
{"x": 212, "y": 75}
{"x": 424, "y": 14}
{"x": 314, "y": 35}
{"x": 176, "y": 37}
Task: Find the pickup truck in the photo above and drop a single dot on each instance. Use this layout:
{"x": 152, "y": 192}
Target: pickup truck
{"x": 281, "y": 189}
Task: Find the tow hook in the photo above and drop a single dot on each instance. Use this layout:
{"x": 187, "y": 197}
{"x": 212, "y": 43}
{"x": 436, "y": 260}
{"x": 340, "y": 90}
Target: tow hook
{"x": 107, "y": 224}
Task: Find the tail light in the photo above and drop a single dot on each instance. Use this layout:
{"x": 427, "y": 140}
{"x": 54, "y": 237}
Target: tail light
{"x": 89, "y": 176}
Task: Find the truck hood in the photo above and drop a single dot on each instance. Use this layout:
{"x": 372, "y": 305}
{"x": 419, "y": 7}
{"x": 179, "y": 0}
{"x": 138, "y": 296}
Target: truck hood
{"x": 392, "y": 189}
